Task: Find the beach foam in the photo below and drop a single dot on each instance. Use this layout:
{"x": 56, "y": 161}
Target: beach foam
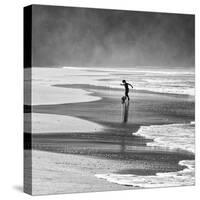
{"x": 154, "y": 80}
{"x": 184, "y": 177}
{"x": 172, "y": 136}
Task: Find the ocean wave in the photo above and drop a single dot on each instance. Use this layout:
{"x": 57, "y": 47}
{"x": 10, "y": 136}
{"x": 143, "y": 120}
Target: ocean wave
{"x": 184, "y": 177}
{"x": 152, "y": 70}
{"x": 172, "y": 136}
{"x": 154, "y": 80}
{"x": 169, "y": 87}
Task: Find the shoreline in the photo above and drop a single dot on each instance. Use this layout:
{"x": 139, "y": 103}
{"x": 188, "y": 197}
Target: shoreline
{"x": 114, "y": 146}
{"x": 88, "y": 87}
{"x": 69, "y": 173}
{"x": 159, "y": 109}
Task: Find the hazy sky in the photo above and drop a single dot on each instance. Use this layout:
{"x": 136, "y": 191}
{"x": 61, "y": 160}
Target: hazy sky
{"x": 111, "y": 38}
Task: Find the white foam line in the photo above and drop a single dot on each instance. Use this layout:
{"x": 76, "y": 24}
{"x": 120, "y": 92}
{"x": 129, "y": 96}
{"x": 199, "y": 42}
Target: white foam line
{"x": 173, "y": 136}
{"x": 123, "y": 69}
{"x": 169, "y": 179}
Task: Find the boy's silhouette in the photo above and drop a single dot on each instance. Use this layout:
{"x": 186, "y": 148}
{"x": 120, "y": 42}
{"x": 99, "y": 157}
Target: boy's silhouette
{"x": 125, "y": 84}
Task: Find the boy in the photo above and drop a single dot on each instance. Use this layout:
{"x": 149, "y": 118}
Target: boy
{"x": 125, "y": 84}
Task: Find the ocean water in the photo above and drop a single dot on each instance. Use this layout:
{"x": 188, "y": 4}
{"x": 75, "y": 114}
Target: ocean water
{"x": 154, "y": 80}
{"x": 171, "y": 136}
{"x": 174, "y": 137}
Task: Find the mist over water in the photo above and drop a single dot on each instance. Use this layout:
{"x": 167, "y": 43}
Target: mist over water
{"x": 64, "y": 36}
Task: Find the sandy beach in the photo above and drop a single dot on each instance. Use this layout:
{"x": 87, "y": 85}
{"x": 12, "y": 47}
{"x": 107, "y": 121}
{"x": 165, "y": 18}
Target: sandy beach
{"x": 67, "y": 173}
{"x": 75, "y": 144}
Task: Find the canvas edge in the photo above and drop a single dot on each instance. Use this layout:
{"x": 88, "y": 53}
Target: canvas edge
{"x": 27, "y": 63}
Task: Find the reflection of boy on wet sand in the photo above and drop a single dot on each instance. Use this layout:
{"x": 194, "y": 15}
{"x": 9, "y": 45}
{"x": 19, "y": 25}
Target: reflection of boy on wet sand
{"x": 125, "y": 84}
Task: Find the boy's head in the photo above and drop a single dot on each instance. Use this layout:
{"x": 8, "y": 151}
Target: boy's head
{"x": 123, "y": 81}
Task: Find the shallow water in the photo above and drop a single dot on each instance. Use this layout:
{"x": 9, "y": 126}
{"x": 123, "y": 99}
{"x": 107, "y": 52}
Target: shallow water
{"x": 174, "y": 137}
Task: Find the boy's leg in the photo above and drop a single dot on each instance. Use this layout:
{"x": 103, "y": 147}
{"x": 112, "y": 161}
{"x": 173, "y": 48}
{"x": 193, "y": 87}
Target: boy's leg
{"x": 128, "y": 97}
{"x": 126, "y": 94}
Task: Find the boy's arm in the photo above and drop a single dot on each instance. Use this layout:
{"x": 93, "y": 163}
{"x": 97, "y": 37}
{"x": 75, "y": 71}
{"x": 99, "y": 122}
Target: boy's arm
{"x": 130, "y": 85}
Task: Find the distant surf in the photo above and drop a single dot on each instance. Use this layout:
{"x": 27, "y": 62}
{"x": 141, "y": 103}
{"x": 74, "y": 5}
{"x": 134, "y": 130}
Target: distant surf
{"x": 153, "y": 80}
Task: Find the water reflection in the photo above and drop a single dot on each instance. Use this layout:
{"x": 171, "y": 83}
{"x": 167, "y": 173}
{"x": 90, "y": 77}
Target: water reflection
{"x": 125, "y": 111}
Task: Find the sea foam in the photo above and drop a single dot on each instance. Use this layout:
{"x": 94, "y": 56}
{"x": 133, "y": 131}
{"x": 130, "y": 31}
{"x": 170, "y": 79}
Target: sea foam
{"x": 172, "y": 136}
{"x": 154, "y": 80}
{"x": 184, "y": 177}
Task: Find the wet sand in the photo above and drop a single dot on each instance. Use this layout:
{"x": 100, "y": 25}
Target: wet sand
{"x": 146, "y": 108}
{"x": 74, "y": 158}
{"x": 56, "y": 173}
